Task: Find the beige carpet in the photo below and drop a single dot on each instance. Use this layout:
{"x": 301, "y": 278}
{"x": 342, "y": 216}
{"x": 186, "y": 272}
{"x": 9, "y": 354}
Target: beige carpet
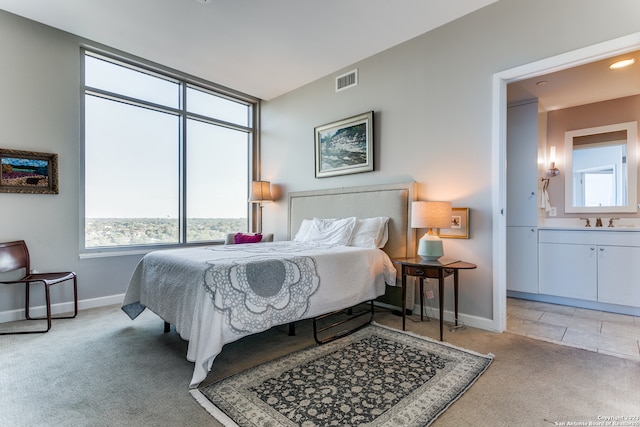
{"x": 102, "y": 369}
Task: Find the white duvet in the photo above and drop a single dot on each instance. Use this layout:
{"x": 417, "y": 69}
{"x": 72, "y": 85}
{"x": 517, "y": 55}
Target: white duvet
{"x": 217, "y": 294}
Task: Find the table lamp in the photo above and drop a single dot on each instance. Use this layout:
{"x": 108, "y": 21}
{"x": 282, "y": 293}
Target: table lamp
{"x": 260, "y": 193}
{"x": 430, "y": 215}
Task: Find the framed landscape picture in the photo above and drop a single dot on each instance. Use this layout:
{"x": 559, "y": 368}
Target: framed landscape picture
{"x": 28, "y": 172}
{"x": 459, "y": 228}
{"x": 345, "y": 147}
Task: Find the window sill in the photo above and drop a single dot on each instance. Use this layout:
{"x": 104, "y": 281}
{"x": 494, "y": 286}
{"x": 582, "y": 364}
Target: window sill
{"x": 108, "y": 253}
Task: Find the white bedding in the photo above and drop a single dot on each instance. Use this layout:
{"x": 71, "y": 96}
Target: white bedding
{"x": 211, "y": 294}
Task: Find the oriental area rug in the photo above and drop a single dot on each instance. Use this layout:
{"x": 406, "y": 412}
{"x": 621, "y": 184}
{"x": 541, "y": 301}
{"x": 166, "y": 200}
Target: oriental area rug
{"x": 377, "y": 377}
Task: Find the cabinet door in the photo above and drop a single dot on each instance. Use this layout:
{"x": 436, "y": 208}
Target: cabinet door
{"x": 522, "y": 259}
{"x": 618, "y": 275}
{"x": 568, "y": 270}
{"x": 522, "y": 165}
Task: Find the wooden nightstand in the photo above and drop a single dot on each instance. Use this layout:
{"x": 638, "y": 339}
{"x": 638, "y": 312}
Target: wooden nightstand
{"x": 423, "y": 269}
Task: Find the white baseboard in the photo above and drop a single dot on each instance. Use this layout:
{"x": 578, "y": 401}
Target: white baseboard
{"x": 65, "y": 307}
{"x": 463, "y": 319}
{"x": 449, "y": 316}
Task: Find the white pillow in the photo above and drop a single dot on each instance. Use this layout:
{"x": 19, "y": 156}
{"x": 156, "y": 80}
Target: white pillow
{"x": 301, "y": 235}
{"x": 370, "y": 232}
{"x": 331, "y": 231}
{"x": 385, "y": 235}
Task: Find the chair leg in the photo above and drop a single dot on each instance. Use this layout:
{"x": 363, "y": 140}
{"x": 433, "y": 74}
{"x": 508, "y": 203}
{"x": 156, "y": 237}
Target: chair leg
{"x": 28, "y": 316}
{"x": 75, "y": 301}
{"x": 49, "y": 315}
{"x": 47, "y": 297}
{"x": 26, "y": 300}
{"x": 75, "y": 295}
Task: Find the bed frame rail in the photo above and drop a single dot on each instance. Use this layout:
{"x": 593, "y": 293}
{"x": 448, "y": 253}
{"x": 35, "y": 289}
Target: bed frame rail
{"x": 349, "y": 313}
{"x": 344, "y": 332}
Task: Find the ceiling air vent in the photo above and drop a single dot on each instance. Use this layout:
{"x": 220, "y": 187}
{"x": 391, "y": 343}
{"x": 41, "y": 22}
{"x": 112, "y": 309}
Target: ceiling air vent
{"x": 347, "y": 80}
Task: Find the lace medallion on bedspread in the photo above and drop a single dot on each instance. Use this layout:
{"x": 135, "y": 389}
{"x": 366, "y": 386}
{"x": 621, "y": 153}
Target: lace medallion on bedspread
{"x": 255, "y": 294}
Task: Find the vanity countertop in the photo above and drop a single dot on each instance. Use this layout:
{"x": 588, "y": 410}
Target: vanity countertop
{"x": 592, "y": 228}
{"x": 576, "y": 224}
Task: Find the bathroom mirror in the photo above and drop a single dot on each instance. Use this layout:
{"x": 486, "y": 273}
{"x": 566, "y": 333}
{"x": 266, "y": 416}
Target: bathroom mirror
{"x": 601, "y": 169}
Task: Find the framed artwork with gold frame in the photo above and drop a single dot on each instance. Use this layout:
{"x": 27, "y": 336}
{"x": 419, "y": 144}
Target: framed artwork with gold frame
{"x": 459, "y": 225}
{"x": 28, "y": 172}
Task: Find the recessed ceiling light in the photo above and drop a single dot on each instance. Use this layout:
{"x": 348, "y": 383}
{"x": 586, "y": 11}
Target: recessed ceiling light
{"x": 623, "y": 63}
{"x": 541, "y": 83}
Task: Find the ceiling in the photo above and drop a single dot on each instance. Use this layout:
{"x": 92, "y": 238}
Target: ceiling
{"x": 264, "y": 48}
{"x": 585, "y": 84}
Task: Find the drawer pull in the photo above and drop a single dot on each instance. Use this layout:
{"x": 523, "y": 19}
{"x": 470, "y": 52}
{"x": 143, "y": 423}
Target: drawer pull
{"x": 420, "y": 272}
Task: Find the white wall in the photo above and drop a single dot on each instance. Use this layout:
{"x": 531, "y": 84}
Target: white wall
{"x": 433, "y": 101}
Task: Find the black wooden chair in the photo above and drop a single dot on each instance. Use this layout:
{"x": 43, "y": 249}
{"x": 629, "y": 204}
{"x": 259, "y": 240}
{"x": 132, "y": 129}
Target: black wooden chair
{"x": 15, "y": 256}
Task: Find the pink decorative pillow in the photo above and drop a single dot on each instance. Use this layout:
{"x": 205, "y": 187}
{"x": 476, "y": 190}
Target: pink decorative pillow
{"x": 247, "y": 238}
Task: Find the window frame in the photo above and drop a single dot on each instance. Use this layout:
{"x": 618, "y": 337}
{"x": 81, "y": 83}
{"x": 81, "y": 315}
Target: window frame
{"x": 185, "y": 81}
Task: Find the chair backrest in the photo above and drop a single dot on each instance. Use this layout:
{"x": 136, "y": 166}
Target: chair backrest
{"x": 14, "y": 256}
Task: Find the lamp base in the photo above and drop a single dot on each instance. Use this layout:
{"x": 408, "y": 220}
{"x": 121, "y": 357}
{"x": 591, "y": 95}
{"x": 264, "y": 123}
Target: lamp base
{"x": 430, "y": 247}
{"x": 431, "y": 258}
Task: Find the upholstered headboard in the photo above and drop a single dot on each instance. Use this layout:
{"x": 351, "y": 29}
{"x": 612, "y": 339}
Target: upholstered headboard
{"x": 390, "y": 200}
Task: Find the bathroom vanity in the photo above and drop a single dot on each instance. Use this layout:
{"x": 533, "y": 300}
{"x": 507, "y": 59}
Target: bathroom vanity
{"x": 552, "y": 255}
{"x": 598, "y": 265}
{"x": 595, "y": 268}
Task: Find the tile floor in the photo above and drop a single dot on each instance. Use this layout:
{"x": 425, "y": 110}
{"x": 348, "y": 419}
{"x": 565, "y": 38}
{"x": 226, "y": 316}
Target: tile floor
{"x": 610, "y": 333}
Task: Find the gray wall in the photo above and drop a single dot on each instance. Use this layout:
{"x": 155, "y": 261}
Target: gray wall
{"x": 432, "y": 97}
{"x": 40, "y": 111}
{"x": 433, "y": 102}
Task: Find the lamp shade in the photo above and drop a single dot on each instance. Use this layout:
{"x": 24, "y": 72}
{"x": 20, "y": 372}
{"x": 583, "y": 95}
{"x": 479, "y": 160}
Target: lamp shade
{"x": 431, "y": 214}
{"x": 260, "y": 192}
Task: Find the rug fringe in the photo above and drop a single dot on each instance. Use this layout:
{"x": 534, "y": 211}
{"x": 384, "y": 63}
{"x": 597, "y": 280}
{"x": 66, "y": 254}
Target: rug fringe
{"x": 488, "y": 356}
{"x": 212, "y": 409}
{"x": 443, "y": 343}
{"x": 465, "y": 389}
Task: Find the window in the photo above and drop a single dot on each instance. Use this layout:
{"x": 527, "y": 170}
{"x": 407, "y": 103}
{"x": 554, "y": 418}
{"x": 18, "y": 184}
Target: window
{"x": 166, "y": 161}
{"x": 599, "y": 174}
{"x": 599, "y": 188}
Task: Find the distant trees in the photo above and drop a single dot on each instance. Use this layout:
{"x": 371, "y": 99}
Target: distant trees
{"x": 101, "y": 232}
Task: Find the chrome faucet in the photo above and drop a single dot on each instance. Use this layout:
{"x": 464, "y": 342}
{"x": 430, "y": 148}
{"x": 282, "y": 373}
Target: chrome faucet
{"x": 598, "y": 222}
{"x": 588, "y": 224}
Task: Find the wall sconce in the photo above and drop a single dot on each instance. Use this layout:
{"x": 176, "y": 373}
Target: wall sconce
{"x": 430, "y": 215}
{"x": 260, "y": 193}
{"x": 553, "y": 170}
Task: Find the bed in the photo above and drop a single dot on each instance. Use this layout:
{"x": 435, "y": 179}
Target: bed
{"x": 218, "y": 294}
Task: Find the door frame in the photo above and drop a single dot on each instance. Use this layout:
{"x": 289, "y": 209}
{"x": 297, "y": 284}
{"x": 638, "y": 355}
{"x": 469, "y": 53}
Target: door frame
{"x": 499, "y": 147}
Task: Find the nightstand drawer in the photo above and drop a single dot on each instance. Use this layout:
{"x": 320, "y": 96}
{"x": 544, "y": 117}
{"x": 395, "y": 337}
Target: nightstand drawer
{"x": 421, "y": 272}
{"x": 427, "y": 272}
